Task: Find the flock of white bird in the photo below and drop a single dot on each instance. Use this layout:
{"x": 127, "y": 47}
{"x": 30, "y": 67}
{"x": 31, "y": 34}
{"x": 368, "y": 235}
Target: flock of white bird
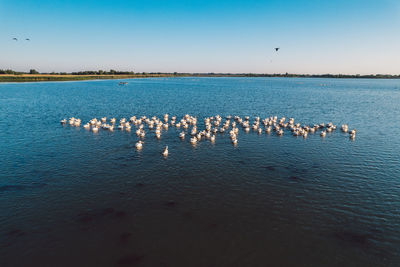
{"x": 212, "y": 126}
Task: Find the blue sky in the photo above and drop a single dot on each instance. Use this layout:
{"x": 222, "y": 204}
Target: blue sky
{"x": 338, "y": 36}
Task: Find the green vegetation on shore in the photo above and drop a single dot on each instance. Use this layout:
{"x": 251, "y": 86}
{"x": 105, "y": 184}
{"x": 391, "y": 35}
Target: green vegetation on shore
{"x": 35, "y": 76}
{"x": 50, "y": 77}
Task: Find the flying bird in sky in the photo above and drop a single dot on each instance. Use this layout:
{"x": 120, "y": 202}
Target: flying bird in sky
{"x": 15, "y": 39}
{"x": 27, "y": 39}
{"x": 277, "y": 48}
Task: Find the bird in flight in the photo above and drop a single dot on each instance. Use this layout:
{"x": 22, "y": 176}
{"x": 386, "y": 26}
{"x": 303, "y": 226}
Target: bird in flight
{"x": 277, "y": 48}
{"x": 27, "y": 39}
{"x": 15, "y": 39}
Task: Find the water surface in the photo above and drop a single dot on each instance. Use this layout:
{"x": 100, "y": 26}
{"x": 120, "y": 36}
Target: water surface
{"x": 69, "y": 197}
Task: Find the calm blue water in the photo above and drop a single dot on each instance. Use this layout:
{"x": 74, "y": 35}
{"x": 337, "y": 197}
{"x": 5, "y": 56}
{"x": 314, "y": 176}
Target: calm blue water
{"x": 69, "y": 197}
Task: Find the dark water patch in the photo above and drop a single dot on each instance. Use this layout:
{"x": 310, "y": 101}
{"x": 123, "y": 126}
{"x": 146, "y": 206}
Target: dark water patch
{"x": 376, "y": 231}
{"x": 139, "y": 184}
{"x": 130, "y": 260}
{"x": 85, "y": 228}
{"x": 354, "y": 238}
{"x": 92, "y": 216}
{"x": 170, "y": 203}
{"x": 38, "y": 184}
{"x": 316, "y": 166}
{"x": 15, "y": 233}
{"x": 123, "y": 165}
{"x": 296, "y": 170}
{"x": 6, "y": 188}
{"x": 294, "y": 178}
{"x": 10, "y": 237}
{"x": 188, "y": 215}
{"x": 107, "y": 211}
{"x": 39, "y": 172}
{"x": 164, "y": 264}
{"x": 212, "y": 226}
{"x": 270, "y": 168}
{"x": 86, "y": 217}
{"x": 124, "y": 238}
{"x": 120, "y": 214}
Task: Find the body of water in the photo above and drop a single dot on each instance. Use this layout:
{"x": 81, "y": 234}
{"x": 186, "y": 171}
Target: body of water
{"x": 70, "y": 197}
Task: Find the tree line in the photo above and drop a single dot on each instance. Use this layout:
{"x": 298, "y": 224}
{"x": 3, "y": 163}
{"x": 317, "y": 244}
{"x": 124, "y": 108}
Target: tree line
{"x": 212, "y": 74}
{"x": 88, "y": 72}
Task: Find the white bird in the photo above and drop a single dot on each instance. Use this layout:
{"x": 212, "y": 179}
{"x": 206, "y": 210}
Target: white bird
{"x": 212, "y": 125}
{"x": 165, "y": 152}
{"x": 353, "y": 134}
{"x": 139, "y": 145}
{"x": 212, "y": 138}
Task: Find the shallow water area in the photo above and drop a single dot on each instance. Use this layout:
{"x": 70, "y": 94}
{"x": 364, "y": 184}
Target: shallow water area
{"x": 71, "y": 197}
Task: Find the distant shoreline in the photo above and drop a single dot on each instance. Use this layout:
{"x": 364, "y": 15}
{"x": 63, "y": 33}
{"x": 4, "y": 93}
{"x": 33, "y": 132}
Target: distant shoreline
{"x": 78, "y": 77}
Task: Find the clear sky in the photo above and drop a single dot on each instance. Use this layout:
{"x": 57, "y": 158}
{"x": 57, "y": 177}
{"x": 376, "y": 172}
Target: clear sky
{"x": 325, "y": 36}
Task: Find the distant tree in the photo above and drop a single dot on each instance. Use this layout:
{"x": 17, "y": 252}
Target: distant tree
{"x": 33, "y": 71}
